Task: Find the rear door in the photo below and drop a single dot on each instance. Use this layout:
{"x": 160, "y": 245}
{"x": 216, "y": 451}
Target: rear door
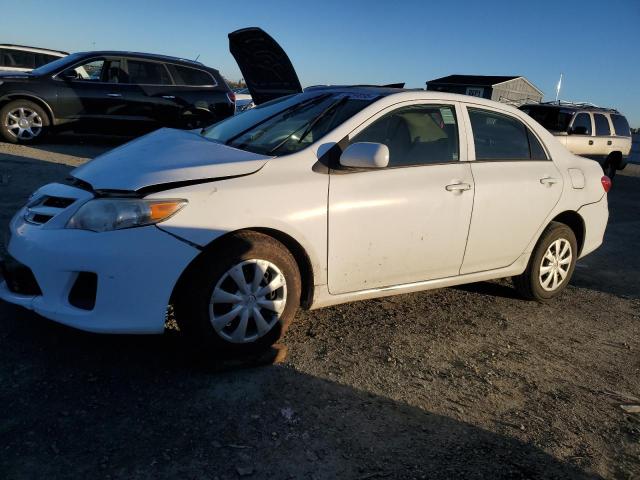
{"x": 265, "y": 66}
{"x": 516, "y": 187}
{"x": 604, "y": 136}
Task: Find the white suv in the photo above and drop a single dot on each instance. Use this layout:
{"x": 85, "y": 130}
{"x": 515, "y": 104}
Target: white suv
{"x": 601, "y": 134}
{"x": 18, "y": 58}
{"x": 328, "y": 196}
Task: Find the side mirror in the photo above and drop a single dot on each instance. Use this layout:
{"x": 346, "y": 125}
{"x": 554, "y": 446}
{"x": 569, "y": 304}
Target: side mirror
{"x": 579, "y": 130}
{"x": 70, "y": 75}
{"x": 365, "y": 155}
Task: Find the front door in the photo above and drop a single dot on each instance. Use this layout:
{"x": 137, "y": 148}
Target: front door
{"x": 96, "y": 98}
{"x": 407, "y": 222}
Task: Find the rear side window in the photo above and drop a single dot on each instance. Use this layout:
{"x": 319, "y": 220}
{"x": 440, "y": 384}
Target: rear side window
{"x": 191, "y": 76}
{"x": 602, "y": 124}
{"x": 582, "y": 124}
{"x": 620, "y": 125}
{"x": 147, "y": 73}
{"x": 416, "y": 135}
{"x": 501, "y": 137}
{"x": 17, "y": 58}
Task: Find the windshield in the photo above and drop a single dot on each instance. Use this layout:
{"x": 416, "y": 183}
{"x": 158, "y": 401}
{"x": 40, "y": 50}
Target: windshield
{"x": 56, "y": 64}
{"x": 288, "y": 124}
{"x": 554, "y": 119}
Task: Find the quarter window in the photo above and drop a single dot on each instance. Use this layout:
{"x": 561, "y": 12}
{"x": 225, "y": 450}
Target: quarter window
{"x": 416, "y": 135}
{"x": 500, "y": 137}
{"x": 147, "y": 73}
{"x": 582, "y": 124}
{"x": 620, "y": 125}
{"x": 191, "y": 76}
{"x": 602, "y": 124}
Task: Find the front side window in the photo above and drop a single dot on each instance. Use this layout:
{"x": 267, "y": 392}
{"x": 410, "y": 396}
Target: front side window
{"x": 17, "y": 58}
{"x": 147, "y": 73}
{"x": 191, "y": 76}
{"x": 554, "y": 119}
{"x": 90, "y": 71}
{"x": 416, "y": 135}
{"x": 501, "y": 137}
{"x": 288, "y": 124}
{"x": 582, "y": 124}
{"x": 602, "y": 124}
{"x": 620, "y": 125}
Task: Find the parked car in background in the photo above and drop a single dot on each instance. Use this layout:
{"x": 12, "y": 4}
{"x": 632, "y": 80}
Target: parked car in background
{"x": 313, "y": 198}
{"x": 601, "y": 134}
{"x": 111, "y": 92}
{"x": 18, "y": 58}
{"x": 243, "y": 99}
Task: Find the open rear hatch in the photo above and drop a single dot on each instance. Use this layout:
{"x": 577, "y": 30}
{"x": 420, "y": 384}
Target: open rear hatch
{"x": 265, "y": 66}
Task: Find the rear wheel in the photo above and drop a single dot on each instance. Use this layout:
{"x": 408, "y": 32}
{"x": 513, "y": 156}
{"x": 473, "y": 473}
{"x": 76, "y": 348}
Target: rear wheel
{"x": 22, "y": 121}
{"x": 551, "y": 265}
{"x": 240, "y": 297}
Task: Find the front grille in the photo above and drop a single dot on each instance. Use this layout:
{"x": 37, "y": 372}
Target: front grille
{"x": 45, "y": 208}
{"x": 19, "y": 277}
{"x": 57, "y": 202}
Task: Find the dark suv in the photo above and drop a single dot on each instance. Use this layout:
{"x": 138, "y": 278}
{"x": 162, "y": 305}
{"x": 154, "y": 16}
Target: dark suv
{"x": 111, "y": 92}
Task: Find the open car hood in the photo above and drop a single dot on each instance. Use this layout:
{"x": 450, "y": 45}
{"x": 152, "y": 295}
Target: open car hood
{"x": 265, "y": 66}
{"x": 164, "y": 157}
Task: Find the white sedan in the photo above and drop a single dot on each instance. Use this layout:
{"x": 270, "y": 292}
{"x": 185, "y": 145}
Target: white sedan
{"x": 312, "y": 199}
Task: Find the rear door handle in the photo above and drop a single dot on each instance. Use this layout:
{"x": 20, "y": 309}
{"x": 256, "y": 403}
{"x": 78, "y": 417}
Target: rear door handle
{"x": 609, "y": 142}
{"x": 590, "y": 142}
{"x": 114, "y": 94}
{"x": 548, "y": 181}
{"x": 168, "y": 97}
{"x": 458, "y": 187}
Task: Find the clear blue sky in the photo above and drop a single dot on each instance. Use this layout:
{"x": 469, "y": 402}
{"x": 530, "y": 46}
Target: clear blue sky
{"x": 596, "y": 44}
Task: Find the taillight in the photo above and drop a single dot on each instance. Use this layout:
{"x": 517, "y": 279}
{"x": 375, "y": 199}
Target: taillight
{"x": 606, "y": 183}
{"x": 231, "y": 96}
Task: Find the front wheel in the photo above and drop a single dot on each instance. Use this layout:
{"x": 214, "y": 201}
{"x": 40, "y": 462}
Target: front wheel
{"x": 22, "y": 121}
{"x": 241, "y": 296}
{"x": 551, "y": 265}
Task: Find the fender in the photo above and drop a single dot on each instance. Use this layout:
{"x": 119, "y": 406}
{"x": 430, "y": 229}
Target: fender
{"x": 31, "y": 96}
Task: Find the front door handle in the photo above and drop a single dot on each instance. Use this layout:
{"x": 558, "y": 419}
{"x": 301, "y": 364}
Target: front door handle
{"x": 608, "y": 142}
{"x": 114, "y": 95}
{"x": 548, "y": 181}
{"x": 458, "y": 187}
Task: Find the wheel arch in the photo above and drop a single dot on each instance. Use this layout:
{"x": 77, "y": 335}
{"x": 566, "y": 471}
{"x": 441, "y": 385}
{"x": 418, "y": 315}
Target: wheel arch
{"x": 575, "y": 222}
{"x": 300, "y": 255}
{"x": 32, "y": 98}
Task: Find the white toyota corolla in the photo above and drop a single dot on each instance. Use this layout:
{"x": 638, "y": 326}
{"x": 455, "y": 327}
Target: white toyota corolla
{"x": 311, "y": 199}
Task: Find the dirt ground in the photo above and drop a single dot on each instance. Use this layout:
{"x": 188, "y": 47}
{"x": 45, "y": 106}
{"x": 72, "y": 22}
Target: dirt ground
{"x": 467, "y": 382}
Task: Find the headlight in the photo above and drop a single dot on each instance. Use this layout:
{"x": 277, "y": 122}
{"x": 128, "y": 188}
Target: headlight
{"x": 106, "y": 214}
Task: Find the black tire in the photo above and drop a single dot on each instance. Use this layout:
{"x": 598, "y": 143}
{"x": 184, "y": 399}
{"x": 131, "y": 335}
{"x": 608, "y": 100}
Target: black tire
{"x": 192, "y": 303}
{"x": 7, "y": 121}
{"x": 529, "y": 284}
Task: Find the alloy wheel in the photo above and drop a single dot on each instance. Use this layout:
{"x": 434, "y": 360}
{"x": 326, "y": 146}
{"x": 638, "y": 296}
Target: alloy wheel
{"x": 23, "y": 123}
{"x": 247, "y": 301}
{"x": 555, "y": 264}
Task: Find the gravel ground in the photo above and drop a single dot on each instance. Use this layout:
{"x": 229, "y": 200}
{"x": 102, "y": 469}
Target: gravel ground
{"x": 467, "y": 382}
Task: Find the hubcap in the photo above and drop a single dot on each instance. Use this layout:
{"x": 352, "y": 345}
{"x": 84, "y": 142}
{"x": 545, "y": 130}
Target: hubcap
{"x": 23, "y": 123}
{"x": 555, "y": 264}
{"x": 248, "y": 301}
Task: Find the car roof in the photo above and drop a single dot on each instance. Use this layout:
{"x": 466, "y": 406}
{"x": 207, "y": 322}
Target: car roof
{"x": 149, "y": 56}
{"x": 32, "y": 49}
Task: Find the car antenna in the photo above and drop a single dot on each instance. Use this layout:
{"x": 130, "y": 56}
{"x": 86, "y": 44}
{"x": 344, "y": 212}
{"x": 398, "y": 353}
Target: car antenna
{"x": 196, "y": 59}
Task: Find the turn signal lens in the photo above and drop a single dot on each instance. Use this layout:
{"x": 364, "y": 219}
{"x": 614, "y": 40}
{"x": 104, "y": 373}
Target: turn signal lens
{"x": 606, "y": 183}
{"x": 160, "y": 211}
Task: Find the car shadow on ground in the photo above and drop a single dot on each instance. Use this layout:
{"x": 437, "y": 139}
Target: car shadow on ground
{"x": 78, "y": 404}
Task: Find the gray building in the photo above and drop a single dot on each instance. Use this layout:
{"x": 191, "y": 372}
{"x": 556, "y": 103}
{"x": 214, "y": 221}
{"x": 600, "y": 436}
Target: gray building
{"x": 506, "y": 89}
